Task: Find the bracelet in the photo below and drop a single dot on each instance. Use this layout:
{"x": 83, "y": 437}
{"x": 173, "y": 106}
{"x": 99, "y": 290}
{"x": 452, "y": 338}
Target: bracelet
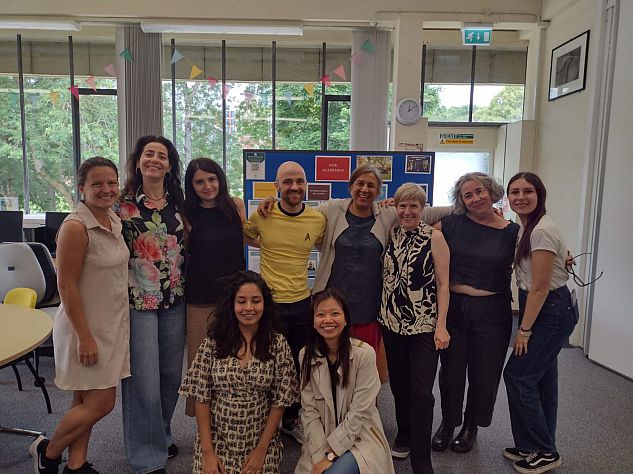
{"x": 525, "y": 333}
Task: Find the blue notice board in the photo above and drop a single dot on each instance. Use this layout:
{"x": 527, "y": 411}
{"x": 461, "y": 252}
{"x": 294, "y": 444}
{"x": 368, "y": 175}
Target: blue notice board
{"x": 328, "y": 174}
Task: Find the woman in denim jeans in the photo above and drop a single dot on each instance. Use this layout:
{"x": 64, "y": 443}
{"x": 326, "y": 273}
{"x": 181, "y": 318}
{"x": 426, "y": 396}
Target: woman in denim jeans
{"x": 153, "y": 230}
{"x": 546, "y": 319}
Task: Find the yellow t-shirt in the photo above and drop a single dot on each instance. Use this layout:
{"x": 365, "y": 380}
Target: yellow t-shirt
{"x": 285, "y": 243}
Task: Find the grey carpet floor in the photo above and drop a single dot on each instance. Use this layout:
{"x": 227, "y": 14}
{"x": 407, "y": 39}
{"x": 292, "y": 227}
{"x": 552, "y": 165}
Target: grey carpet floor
{"x": 595, "y": 427}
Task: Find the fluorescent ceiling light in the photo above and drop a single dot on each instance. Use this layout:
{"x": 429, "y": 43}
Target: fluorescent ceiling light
{"x": 286, "y": 30}
{"x": 61, "y": 25}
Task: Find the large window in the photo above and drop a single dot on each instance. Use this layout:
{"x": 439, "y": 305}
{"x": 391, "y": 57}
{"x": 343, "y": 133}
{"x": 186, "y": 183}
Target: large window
{"x": 449, "y": 166}
{"x": 496, "y": 86}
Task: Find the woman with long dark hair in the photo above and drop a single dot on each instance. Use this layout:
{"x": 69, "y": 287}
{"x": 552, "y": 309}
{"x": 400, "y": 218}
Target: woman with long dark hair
{"x": 151, "y": 209}
{"x": 242, "y": 378}
{"x": 547, "y": 317}
{"x": 339, "y": 385}
{"x": 216, "y": 247}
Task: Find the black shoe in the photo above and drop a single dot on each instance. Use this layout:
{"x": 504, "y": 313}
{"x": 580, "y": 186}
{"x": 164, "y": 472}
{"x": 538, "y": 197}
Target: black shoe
{"x": 85, "y": 469}
{"x": 514, "y": 454}
{"x": 41, "y": 464}
{"x": 465, "y": 439}
{"x": 537, "y": 463}
{"x": 172, "y": 451}
{"x": 442, "y": 437}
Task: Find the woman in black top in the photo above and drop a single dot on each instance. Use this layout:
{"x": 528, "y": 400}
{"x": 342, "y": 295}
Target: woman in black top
{"x": 479, "y": 316}
{"x": 216, "y": 247}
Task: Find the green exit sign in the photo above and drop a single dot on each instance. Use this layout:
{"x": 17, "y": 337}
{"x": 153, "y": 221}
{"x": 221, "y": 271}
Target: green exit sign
{"x": 479, "y": 36}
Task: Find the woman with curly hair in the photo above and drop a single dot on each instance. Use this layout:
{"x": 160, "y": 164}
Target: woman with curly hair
{"x": 480, "y": 313}
{"x": 150, "y": 210}
{"x": 242, "y": 378}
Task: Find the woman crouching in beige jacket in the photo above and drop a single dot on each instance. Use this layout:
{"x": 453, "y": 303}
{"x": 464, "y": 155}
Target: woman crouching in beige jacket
{"x": 339, "y": 380}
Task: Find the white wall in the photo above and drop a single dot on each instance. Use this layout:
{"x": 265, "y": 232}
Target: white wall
{"x": 563, "y": 141}
{"x": 611, "y": 329}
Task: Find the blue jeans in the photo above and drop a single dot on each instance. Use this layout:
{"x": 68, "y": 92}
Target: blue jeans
{"x": 157, "y": 343}
{"x": 346, "y": 464}
{"x": 532, "y": 378}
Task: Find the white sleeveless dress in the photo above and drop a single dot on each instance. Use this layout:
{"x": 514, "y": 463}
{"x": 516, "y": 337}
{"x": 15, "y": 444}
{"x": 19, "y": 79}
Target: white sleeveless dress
{"x": 103, "y": 292}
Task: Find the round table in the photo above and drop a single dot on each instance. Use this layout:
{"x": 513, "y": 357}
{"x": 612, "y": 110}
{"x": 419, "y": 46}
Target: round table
{"x": 23, "y": 329}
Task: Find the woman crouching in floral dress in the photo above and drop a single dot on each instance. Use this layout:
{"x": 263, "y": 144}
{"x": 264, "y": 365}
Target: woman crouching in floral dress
{"x": 242, "y": 378}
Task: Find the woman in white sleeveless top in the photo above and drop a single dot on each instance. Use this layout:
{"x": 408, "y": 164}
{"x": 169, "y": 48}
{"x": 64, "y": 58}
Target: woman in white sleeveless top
{"x": 91, "y": 326}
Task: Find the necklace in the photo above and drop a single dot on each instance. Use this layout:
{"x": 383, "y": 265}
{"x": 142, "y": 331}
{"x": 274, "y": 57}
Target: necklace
{"x": 156, "y": 199}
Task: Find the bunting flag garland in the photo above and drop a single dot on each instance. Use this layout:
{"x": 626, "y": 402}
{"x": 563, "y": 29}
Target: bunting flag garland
{"x": 195, "y": 72}
{"x": 227, "y": 89}
{"x": 309, "y": 88}
{"x": 92, "y": 83}
{"x": 288, "y": 96}
{"x": 127, "y": 55}
{"x": 212, "y": 81}
{"x": 340, "y": 72}
{"x": 357, "y": 59}
{"x": 35, "y": 99}
{"x": 326, "y": 80}
{"x": 74, "y": 90}
{"x": 54, "y": 96}
{"x": 248, "y": 96}
{"x": 368, "y": 46}
{"x": 110, "y": 69}
{"x": 177, "y": 56}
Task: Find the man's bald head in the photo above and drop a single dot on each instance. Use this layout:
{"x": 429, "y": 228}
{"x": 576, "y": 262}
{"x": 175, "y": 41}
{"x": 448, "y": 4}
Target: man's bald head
{"x": 291, "y": 185}
{"x": 287, "y": 167}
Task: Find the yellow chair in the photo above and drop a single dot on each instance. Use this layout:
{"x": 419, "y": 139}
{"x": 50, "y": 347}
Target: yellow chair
{"x": 21, "y": 297}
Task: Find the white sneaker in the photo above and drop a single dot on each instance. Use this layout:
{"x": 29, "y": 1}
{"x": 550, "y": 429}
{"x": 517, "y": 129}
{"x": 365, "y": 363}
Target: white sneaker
{"x": 293, "y": 428}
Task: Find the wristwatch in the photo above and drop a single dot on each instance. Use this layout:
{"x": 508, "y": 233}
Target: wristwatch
{"x": 331, "y": 456}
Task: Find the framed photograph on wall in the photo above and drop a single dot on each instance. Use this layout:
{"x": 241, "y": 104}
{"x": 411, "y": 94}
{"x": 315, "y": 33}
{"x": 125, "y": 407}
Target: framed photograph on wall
{"x": 568, "y": 69}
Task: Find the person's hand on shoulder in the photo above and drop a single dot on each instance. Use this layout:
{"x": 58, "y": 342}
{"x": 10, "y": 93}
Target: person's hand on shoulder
{"x": 265, "y": 207}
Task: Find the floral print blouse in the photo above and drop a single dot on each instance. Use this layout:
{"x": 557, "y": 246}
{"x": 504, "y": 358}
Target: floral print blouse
{"x": 155, "y": 240}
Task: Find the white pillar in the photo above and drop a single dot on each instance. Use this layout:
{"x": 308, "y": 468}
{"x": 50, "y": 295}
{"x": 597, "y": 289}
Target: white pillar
{"x": 370, "y": 83}
{"x": 408, "y": 39}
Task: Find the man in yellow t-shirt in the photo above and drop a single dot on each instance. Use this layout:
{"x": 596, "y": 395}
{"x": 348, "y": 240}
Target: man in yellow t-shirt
{"x": 286, "y": 238}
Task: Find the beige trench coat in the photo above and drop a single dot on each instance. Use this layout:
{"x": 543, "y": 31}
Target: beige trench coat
{"x": 360, "y": 429}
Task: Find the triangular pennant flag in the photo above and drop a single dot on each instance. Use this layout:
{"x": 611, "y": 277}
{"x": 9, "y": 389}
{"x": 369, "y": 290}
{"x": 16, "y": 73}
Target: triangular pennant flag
{"x": 54, "y": 96}
{"x": 288, "y": 96}
{"x": 91, "y": 83}
{"x": 309, "y": 89}
{"x": 340, "y": 72}
{"x": 326, "y": 80}
{"x": 195, "y": 72}
{"x": 177, "y": 56}
{"x": 248, "y": 96}
{"x": 34, "y": 98}
{"x": 368, "y": 46}
{"x": 74, "y": 90}
{"x": 227, "y": 89}
{"x": 127, "y": 55}
{"x": 357, "y": 59}
{"x": 110, "y": 69}
{"x": 212, "y": 80}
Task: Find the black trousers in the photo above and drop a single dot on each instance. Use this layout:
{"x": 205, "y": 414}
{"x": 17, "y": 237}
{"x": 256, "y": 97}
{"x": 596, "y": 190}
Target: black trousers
{"x": 296, "y": 321}
{"x": 480, "y": 329}
{"x": 412, "y": 363}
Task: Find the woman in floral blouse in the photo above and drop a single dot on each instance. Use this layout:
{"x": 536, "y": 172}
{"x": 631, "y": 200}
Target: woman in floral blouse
{"x": 153, "y": 229}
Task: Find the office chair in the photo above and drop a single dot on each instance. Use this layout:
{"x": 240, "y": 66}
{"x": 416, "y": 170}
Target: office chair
{"x": 11, "y": 226}
{"x": 52, "y": 223}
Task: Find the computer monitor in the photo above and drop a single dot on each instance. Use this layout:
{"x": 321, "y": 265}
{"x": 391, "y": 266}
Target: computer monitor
{"x": 11, "y": 226}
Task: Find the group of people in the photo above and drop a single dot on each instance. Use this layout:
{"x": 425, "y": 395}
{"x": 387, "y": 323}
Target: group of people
{"x": 143, "y": 274}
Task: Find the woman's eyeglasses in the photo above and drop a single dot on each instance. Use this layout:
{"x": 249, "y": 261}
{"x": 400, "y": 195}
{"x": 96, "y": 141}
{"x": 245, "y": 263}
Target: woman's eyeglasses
{"x": 577, "y": 280}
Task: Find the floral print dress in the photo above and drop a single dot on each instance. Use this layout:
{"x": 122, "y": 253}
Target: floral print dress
{"x": 155, "y": 240}
{"x": 240, "y": 400}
